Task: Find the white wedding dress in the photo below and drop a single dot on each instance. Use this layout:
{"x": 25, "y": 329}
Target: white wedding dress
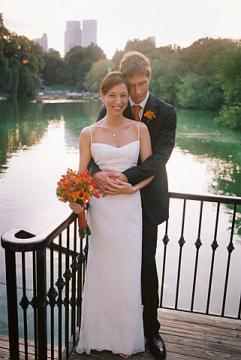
{"x": 111, "y": 307}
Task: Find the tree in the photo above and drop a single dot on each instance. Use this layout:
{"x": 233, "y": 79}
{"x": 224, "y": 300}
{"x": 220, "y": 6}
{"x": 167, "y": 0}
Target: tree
{"x": 199, "y": 92}
{"x": 117, "y": 58}
{"x": 98, "y": 70}
{"x": 228, "y": 74}
{"x": 20, "y": 63}
{"x": 53, "y": 68}
{"x": 165, "y": 74}
{"x": 78, "y": 62}
{"x": 72, "y": 65}
{"x": 146, "y": 46}
{"x": 4, "y": 63}
{"x": 200, "y": 56}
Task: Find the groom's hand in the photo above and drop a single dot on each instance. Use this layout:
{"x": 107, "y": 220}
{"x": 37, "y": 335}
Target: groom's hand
{"x": 106, "y": 179}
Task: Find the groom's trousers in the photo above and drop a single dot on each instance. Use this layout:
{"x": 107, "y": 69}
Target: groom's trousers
{"x": 149, "y": 278}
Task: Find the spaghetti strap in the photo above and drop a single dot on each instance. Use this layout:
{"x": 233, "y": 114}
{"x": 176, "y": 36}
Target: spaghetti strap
{"x": 91, "y": 138}
{"x": 138, "y": 130}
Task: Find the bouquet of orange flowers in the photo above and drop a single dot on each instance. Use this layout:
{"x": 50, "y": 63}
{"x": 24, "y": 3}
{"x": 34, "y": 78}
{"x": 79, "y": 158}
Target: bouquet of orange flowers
{"x": 78, "y": 188}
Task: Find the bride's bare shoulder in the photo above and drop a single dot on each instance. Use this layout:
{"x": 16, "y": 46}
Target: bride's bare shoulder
{"x": 85, "y": 130}
{"x": 129, "y": 122}
{"x": 92, "y": 130}
{"x": 132, "y": 124}
{"x": 96, "y": 125}
{"x": 91, "y": 127}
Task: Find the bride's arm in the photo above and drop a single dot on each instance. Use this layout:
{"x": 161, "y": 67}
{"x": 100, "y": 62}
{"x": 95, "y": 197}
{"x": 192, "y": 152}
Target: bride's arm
{"x": 84, "y": 158}
{"x": 84, "y": 149}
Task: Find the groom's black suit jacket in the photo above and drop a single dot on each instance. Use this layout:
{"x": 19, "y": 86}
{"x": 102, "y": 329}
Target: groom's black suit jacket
{"x": 162, "y": 128}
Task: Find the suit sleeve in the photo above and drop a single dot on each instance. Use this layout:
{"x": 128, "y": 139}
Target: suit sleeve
{"x": 161, "y": 151}
{"x": 92, "y": 167}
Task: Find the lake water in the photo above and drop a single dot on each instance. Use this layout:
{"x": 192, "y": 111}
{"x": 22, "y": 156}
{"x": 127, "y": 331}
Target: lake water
{"x": 38, "y": 142}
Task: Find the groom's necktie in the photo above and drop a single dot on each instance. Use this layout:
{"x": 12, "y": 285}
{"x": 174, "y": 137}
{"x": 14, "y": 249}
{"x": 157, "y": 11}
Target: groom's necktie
{"x": 136, "y": 112}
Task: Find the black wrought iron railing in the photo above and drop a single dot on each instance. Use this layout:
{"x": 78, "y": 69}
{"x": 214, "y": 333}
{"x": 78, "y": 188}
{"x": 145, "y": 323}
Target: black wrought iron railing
{"x": 204, "y": 234}
{"x": 44, "y": 288}
{"x": 198, "y": 261}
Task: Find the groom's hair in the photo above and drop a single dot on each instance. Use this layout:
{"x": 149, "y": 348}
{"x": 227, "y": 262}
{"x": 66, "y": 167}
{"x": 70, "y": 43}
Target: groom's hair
{"x": 112, "y": 79}
{"x": 133, "y": 62}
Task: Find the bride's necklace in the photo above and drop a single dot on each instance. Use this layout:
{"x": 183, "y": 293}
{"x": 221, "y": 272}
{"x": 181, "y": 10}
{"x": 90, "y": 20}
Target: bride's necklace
{"x": 114, "y": 130}
{"x": 114, "y": 133}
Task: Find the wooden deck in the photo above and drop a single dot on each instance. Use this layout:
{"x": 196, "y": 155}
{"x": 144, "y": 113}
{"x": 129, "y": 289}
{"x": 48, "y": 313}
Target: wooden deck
{"x": 187, "y": 337}
{"x": 190, "y": 337}
{"x": 4, "y": 349}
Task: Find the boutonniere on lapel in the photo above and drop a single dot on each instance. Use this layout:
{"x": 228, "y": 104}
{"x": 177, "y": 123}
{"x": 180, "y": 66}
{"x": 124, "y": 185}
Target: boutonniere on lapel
{"x": 149, "y": 115}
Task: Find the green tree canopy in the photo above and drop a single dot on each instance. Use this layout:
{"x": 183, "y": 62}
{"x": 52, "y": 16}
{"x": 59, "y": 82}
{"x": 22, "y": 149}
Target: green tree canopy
{"x": 78, "y": 62}
{"x": 229, "y": 77}
{"x": 20, "y": 63}
{"x": 165, "y": 73}
{"x": 98, "y": 70}
{"x": 199, "y": 57}
{"x": 53, "y": 68}
{"x": 199, "y": 92}
{"x": 146, "y": 46}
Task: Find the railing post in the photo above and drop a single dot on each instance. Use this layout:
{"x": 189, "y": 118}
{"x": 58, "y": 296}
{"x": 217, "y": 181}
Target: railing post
{"x": 12, "y": 304}
{"x": 41, "y": 304}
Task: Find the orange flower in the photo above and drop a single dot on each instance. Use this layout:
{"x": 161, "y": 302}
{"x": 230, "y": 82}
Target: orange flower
{"x": 78, "y": 188}
{"x": 149, "y": 115}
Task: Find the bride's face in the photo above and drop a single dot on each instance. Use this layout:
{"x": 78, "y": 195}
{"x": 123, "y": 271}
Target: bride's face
{"x": 116, "y": 99}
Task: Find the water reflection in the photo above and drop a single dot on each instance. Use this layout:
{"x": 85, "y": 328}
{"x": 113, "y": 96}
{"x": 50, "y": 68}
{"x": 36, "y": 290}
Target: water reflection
{"x": 219, "y": 148}
{"x": 21, "y": 126}
{"x": 24, "y": 124}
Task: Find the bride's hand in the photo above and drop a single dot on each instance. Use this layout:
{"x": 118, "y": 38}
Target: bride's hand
{"x": 77, "y": 209}
{"x": 120, "y": 187}
{"x": 105, "y": 179}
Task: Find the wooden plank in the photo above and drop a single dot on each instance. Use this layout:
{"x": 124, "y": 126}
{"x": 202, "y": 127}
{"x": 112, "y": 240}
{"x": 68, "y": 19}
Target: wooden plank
{"x": 187, "y": 337}
{"x": 197, "y": 353}
{"x": 179, "y": 317}
{"x": 108, "y": 355}
{"x": 204, "y": 337}
{"x": 4, "y": 349}
{"x": 203, "y": 341}
{"x": 195, "y": 328}
{"x": 141, "y": 356}
{"x": 197, "y": 332}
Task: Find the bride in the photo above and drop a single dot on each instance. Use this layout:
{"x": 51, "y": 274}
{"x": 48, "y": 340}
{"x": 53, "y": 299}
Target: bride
{"x": 111, "y": 307}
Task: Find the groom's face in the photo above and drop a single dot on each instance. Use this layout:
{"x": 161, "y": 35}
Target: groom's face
{"x": 139, "y": 86}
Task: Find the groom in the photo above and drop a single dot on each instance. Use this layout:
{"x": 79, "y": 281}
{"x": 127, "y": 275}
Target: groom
{"x": 160, "y": 119}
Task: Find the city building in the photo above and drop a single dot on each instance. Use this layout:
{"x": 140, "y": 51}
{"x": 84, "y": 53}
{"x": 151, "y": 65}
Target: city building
{"x": 43, "y": 42}
{"x": 72, "y": 35}
{"x": 89, "y": 32}
{"x": 152, "y": 39}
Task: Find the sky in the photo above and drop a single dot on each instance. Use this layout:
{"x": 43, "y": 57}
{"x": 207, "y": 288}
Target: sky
{"x": 179, "y": 22}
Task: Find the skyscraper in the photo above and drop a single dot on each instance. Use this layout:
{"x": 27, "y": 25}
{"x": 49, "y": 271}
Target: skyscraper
{"x": 89, "y": 32}
{"x": 72, "y": 35}
{"x": 152, "y": 39}
{"x": 43, "y": 42}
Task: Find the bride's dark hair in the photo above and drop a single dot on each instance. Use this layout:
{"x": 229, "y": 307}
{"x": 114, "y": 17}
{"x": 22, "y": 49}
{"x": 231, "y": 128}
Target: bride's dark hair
{"x": 112, "y": 79}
